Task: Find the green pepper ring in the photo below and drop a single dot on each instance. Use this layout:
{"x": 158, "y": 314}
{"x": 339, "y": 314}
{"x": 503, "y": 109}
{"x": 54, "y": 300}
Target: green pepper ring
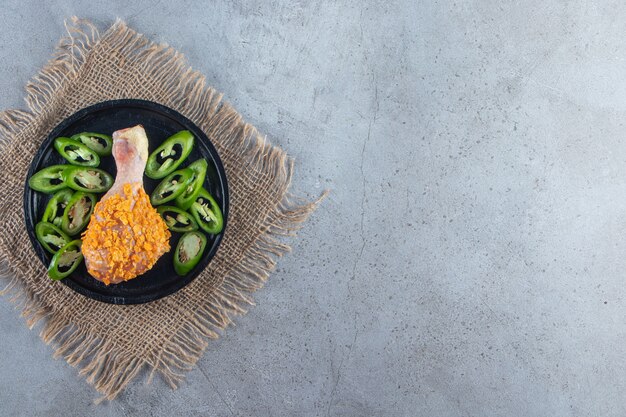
{"x": 62, "y": 143}
{"x": 193, "y": 225}
{"x": 186, "y": 174}
{"x": 65, "y": 222}
{"x": 215, "y": 209}
{"x": 183, "y": 268}
{"x": 40, "y": 231}
{"x": 42, "y": 180}
{"x": 156, "y": 170}
{"x": 53, "y": 269}
{"x": 185, "y": 200}
{"x": 70, "y": 173}
{"x": 84, "y": 138}
{"x": 51, "y": 214}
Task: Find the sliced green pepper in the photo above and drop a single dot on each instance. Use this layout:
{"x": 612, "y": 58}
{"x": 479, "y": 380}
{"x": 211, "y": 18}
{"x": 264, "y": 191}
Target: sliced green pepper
{"x": 51, "y": 237}
{"x": 177, "y": 220}
{"x": 78, "y": 212}
{"x": 91, "y": 180}
{"x": 48, "y": 180}
{"x": 76, "y": 153}
{"x": 188, "y": 252}
{"x": 97, "y": 142}
{"x": 186, "y": 199}
{"x": 54, "y": 210}
{"x": 66, "y": 260}
{"x": 172, "y": 186}
{"x": 167, "y": 157}
{"x": 207, "y": 213}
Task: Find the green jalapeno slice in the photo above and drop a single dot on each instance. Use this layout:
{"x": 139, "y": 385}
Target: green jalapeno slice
{"x": 56, "y": 206}
{"x": 177, "y": 220}
{"x": 186, "y": 199}
{"x": 171, "y": 187}
{"x": 48, "y": 180}
{"x": 65, "y": 261}
{"x": 169, "y": 155}
{"x": 76, "y": 153}
{"x": 97, "y": 142}
{"x": 189, "y": 252}
{"x": 51, "y": 237}
{"x": 91, "y": 180}
{"x": 78, "y": 212}
{"x": 207, "y": 213}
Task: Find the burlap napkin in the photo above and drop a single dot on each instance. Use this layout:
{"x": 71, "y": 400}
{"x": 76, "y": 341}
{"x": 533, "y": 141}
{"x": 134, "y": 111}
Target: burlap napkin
{"x": 112, "y": 344}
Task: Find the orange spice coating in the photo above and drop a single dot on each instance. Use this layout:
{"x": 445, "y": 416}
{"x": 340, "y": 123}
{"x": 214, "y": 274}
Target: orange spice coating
{"x": 125, "y": 236}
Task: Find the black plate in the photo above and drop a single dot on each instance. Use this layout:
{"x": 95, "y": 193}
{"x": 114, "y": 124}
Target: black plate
{"x": 159, "y": 122}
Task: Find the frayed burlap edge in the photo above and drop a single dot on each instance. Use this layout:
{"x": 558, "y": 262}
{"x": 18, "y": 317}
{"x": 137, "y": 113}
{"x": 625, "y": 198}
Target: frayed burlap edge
{"x": 107, "y": 368}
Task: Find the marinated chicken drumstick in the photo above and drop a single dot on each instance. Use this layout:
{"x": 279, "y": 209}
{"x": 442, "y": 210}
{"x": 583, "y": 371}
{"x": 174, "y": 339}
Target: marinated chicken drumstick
{"x": 126, "y": 235}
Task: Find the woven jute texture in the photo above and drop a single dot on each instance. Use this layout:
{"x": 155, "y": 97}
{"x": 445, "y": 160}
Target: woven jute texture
{"x": 113, "y": 344}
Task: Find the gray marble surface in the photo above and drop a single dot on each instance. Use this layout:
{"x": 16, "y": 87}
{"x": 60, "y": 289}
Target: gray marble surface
{"x": 469, "y": 260}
